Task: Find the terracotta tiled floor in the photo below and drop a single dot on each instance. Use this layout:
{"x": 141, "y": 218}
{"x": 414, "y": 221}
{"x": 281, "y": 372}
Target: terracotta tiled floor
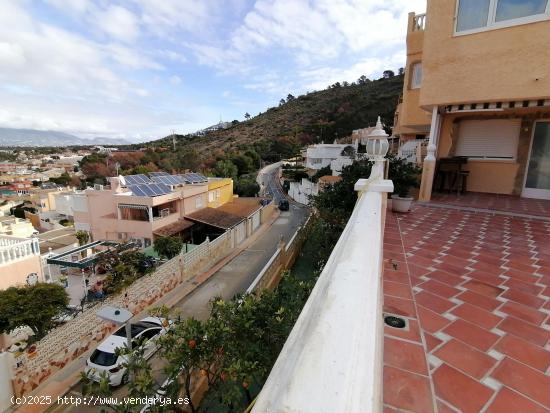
{"x": 507, "y": 203}
{"x": 475, "y": 289}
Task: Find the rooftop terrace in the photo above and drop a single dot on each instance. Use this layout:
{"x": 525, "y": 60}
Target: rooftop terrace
{"x": 469, "y": 276}
{"x": 475, "y": 288}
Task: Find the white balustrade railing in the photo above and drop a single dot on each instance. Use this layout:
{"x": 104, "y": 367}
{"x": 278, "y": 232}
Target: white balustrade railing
{"x": 15, "y": 248}
{"x": 419, "y": 22}
{"x": 413, "y": 151}
{"x": 332, "y": 359}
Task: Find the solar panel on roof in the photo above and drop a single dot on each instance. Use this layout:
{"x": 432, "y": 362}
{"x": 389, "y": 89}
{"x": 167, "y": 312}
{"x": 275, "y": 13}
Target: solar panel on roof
{"x": 136, "y": 179}
{"x": 197, "y": 178}
{"x": 129, "y": 180}
{"x": 165, "y": 180}
{"x": 146, "y": 190}
{"x": 164, "y": 188}
{"x": 184, "y": 179}
{"x": 175, "y": 179}
{"x": 158, "y": 174}
{"x": 136, "y": 190}
{"x": 191, "y": 177}
{"x": 169, "y": 180}
{"x": 156, "y": 189}
{"x": 157, "y": 178}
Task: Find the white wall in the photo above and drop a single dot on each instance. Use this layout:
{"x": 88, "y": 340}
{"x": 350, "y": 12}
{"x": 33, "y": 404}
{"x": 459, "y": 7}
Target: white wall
{"x": 63, "y": 204}
{"x": 319, "y": 156}
{"x": 6, "y": 373}
{"x": 300, "y": 191}
{"x": 80, "y": 203}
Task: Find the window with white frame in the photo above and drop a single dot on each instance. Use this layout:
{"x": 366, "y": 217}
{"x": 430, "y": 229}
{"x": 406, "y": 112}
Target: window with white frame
{"x": 416, "y": 75}
{"x": 488, "y": 139}
{"x": 198, "y": 202}
{"x": 476, "y": 15}
{"x": 218, "y": 193}
{"x": 211, "y": 196}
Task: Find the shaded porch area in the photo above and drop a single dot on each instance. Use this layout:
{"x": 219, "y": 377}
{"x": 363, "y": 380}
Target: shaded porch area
{"x": 474, "y": 288}
{"x": 506, "y": 152}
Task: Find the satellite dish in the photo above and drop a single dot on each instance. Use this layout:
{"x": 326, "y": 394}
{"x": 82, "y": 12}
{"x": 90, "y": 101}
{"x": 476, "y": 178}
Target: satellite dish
{"x": 32, "y": 278}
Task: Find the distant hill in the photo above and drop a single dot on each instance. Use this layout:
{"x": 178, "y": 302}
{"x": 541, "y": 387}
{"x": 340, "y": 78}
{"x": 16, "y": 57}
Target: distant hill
{"x": 318, "y": 116}
{"x": 33, "y": 137}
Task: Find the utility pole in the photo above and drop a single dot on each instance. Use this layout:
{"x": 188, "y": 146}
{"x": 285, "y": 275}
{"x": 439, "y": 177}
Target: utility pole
{"x": 173, "y": 140}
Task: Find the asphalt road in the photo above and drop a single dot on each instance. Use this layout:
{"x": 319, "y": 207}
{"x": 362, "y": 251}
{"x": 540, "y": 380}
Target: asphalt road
{"x": 272, "y": 187}
{"x": 233, "y": 278}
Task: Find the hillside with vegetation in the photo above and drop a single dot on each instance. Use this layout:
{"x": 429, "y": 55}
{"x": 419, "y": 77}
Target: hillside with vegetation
{"x": 311, "y": 118}
{"x": 278, "y": 133}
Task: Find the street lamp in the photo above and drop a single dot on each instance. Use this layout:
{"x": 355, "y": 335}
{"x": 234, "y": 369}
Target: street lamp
{"x": 377, "y": 148}
{"x": 118, "y": 316}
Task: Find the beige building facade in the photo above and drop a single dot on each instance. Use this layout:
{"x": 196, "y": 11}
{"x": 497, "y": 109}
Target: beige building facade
{"x": 477, "y": 90}
{"x": 116, "y": 213}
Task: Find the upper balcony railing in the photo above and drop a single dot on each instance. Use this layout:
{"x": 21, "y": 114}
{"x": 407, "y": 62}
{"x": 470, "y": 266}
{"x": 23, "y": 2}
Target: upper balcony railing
{"x": 419, "y": 22}
{"x": 15, "y": 248}
{"x": 332, "y": 359}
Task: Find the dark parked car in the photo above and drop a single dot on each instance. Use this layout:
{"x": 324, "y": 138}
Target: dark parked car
{"x": 283, "y": 205}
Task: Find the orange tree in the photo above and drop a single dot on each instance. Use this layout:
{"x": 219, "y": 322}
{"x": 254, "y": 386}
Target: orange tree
{"x": 235, "y": 348}
{"x": 232, "y": 351}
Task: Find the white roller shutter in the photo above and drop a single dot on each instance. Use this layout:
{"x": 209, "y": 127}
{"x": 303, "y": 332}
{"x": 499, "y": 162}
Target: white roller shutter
{"x": 494, "y": 138}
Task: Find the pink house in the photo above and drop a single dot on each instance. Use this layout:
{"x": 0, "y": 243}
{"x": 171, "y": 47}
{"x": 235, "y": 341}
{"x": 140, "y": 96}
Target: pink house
{"x": 19, "y": 261}
{"x": 135, "y": 209}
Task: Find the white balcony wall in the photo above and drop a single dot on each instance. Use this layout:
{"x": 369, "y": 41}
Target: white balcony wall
{"x": 332, "y": 359}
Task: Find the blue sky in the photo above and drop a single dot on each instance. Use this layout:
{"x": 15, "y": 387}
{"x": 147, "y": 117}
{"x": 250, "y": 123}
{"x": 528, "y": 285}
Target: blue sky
{"x": 136, "y": 69}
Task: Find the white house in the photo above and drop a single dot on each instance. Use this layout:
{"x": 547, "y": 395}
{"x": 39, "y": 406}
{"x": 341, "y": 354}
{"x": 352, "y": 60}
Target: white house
{"x": 321, "y": 155}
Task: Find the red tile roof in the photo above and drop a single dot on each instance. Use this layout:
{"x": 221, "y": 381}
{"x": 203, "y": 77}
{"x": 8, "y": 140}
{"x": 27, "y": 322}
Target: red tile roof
{"x": 241, "y": 207}
{"x": 174, "y": 228}
{"x": 215, "y": 218}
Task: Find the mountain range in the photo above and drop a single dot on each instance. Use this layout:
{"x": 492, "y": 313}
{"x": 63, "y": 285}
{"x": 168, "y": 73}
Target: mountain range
{"x": 32, "y": 137}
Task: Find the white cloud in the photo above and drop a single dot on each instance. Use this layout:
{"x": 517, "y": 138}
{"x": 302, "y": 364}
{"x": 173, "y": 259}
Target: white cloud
{"x": 172, "y": 55}
{"x": 117, "y": 22}
{"x": 320, "y": 78}
{"x": 106, "y": 67}
{"x": 165, "y": 17}
{"x": 312, "y": 33}
{"x": 57, "y": 62}
{"x": 175, "y": 80}
{"x": 129, "y": 57}
{"x": 75, "y": 7}
{"x": 11, "y": 55}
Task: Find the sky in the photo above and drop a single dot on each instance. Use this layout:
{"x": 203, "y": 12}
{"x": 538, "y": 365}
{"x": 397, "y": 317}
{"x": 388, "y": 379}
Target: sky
{"x": 138, "y": 69}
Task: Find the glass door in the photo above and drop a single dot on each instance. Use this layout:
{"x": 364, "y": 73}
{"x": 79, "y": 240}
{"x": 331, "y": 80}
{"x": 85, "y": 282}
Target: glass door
{"x": 537, "y": 179}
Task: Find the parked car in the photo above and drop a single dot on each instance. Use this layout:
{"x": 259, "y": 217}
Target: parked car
{"x": 284, "y": 205}
{"x": 105, "y": 361}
